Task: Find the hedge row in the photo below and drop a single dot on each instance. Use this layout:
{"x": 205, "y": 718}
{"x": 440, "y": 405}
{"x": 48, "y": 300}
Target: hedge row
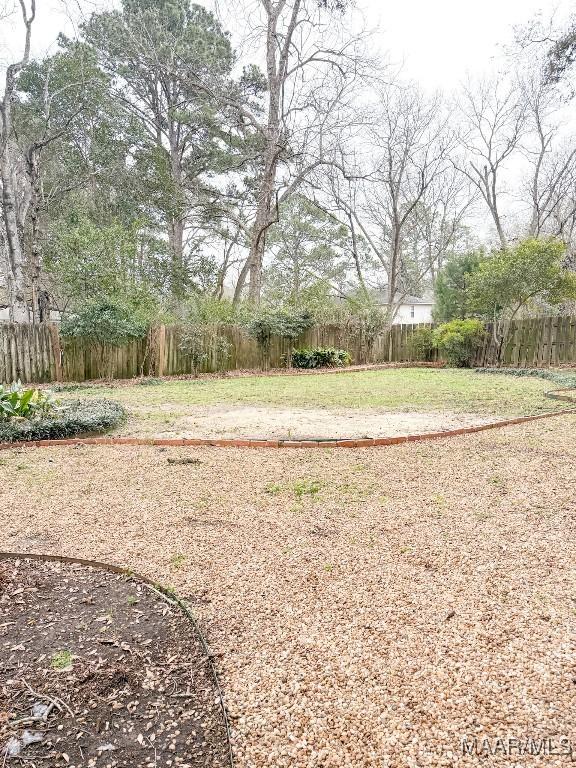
{"x": 557, "y": 377}
{"x": 75, "y": 417}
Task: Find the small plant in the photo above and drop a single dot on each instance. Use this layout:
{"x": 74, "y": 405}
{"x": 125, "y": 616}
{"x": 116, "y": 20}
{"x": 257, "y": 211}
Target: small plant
{"x": 177, "y": 561}
{"x": 149, "y": 381}
{"x": 273, "y": 489}
{"x": 306, "y": 488}
{"x": 20, "y": 403}
{"x": 74, "y": 417}
{"x": 61, "y": 660}
{"x": 132, "y": 600}
{"x": 458, "y": 341}
{"x": 320, "y": 357}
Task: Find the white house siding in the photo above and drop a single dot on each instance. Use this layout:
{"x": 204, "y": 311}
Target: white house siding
{"x": 413, "y": 313}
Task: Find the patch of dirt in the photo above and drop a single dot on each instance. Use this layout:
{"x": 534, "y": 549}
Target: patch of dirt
{"x": 266, "y": 422}
{"x": 98, "y": 670}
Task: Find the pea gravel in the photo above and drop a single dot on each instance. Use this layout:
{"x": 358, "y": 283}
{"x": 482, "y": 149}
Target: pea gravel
{"x": 367, "y": 607}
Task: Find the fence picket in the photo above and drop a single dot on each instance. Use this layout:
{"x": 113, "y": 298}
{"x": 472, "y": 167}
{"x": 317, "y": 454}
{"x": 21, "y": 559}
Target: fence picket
{"x": 36, "y": 353}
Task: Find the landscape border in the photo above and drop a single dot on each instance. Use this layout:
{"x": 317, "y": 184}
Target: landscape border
{"x": 555, "y": 394}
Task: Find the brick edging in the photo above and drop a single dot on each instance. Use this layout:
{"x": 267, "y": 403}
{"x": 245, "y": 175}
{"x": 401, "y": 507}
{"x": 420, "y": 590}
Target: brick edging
{"x": 559, "y": 394}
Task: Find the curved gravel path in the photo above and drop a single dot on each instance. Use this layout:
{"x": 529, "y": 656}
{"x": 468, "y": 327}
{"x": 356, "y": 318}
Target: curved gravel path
{"x": 366, "y": 608}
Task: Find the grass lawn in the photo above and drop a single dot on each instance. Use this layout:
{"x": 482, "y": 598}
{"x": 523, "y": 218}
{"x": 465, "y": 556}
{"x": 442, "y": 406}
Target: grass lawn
{"x": 367, "y": 607}
{"x": 155, "y": 408}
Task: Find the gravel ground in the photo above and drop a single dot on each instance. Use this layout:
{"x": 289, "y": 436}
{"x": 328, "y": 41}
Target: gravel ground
{"x": 367, "y": 607}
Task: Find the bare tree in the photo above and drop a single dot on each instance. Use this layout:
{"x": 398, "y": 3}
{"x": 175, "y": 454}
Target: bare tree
{"x": 402, "y": 197}
{"x": 413, "y": 144}
{"x": 12, "y": 245}
{"x": 494, "y": 121}
{"x": 312, "y": 70}
{"x": 551, "y": 175}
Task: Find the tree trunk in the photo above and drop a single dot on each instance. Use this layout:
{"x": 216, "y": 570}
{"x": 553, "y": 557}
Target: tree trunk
{"x": 176, "y": 223}
{"x": 263, "y": 214}
{"x": 15, "y": 278}
{"x": 176, "y": 248}
{"x": 35, "y": 257}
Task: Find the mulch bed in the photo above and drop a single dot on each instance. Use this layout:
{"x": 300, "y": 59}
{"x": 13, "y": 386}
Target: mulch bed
{"x": 97, "y": 669}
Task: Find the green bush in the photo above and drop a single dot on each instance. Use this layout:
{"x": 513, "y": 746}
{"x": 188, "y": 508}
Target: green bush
{"x": 561, "y": 378}
{"x": 75, "y": 417}
{"x": 286, "y": 323}
{"x": 421, "y": 344}
{"x": 105, "y": 321}
{"x": 320, "y": 357}
{"x": 17, "y": 402}
{"x": 458, "y": 341}
{"x": 199, "y": 345}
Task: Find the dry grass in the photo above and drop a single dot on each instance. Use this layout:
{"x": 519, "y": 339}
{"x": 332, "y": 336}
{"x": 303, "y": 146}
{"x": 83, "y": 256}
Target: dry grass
{"x": 369, "y": 607}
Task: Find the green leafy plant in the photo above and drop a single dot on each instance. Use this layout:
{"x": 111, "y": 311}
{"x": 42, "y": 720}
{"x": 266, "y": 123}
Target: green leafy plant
{"x": 150, "y": 381}
{"x": 421, "y": 344}
{"x": 200, "y": 345}
{"x": 17, "y": 402}
{"x": 458, "y": 341}
{"x": 320, "y": 357}
{"x": 74, "y": 417}
{"x": 532, "y": 271}
{"x": 104, "y": 321}
{"x": 284, "y": 323}
{"x": 306, "y": 488}
{"x": 178, "y": 560}
{"x": 61, "y": 660}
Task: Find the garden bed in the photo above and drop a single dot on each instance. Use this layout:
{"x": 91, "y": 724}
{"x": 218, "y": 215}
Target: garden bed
{"x": 99, "y": 670}
{"x": 73, "y": 418}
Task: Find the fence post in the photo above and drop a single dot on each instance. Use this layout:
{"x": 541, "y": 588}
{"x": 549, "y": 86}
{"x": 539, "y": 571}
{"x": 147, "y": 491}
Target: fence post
{"x": 56, "y": 350}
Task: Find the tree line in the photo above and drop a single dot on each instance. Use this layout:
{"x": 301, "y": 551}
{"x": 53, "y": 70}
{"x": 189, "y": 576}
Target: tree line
{"x": 157, "y": 161}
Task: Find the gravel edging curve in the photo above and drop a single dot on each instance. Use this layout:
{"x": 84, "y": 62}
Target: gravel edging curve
{"x": 165, "y": 594}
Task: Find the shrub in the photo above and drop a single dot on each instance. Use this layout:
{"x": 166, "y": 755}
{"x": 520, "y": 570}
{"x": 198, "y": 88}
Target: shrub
{"x": 199, "y": 346}
{"x": 561, "y": 378}
{"x": 320, "y": 357}
{"x": 17, "y": 402}
{"x": 458, "y": 341}
{"x": 105, "y": 321}
{"x": 421, "y": 344}
{"x": 286, "y": 323}
{"x": 75, "y": 417}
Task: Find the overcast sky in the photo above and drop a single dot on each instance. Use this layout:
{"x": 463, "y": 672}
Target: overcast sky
{"x": 443, "y": 40}
{"x": 438, "y": 42}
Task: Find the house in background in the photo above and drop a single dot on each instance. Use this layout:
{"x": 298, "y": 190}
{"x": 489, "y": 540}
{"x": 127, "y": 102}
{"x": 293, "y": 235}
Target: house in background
{"x": 411, "y": 309}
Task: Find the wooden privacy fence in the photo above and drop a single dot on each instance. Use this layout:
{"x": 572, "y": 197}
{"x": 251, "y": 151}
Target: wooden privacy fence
{"x": 530, "y": 343}
{"x": 38, "y": 354}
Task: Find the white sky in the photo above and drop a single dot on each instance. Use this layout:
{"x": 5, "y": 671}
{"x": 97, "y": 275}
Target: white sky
{"x": 441, "y": 41}
{"x": 438, "y": 42}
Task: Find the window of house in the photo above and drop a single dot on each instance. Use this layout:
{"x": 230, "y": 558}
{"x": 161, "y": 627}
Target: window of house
{"x": 412, "y": 310}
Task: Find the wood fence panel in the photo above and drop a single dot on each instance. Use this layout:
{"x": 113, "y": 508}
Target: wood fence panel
{"x": 36, "y": 353}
